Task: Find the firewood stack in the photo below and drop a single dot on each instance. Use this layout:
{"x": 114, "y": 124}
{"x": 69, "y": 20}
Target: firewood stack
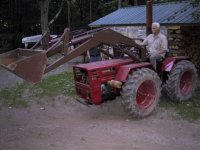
{"x": 175, "y": 39}
{"x": 185, "y": 41}
{"x": 191, "y": 40}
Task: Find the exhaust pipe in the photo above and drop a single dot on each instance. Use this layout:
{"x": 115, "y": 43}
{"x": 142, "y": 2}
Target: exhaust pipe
{"x": 149, "y": 16}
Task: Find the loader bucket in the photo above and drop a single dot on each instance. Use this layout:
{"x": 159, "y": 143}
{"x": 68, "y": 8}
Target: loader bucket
{"x": 25, "y": 63}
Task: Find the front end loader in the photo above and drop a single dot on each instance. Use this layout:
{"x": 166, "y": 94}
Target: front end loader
{"x": 130, "y": 78}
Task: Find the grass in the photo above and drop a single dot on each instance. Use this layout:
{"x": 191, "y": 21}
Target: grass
{"x": 13, "y": 96}
{"x": 189, "y": 110}
{"x": 55, "y": 85}
{"x": 63, "y": 84}
{"x": 50, "y": 87}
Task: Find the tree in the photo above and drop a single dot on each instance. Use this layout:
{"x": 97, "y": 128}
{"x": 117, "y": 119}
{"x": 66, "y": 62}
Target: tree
{"x": 58, "y": 13}
{"x": 119, "y": 4}
{"x": 135, "y": 2}
{"x": 44, "y": 12}
{"x": 16, "y": 20}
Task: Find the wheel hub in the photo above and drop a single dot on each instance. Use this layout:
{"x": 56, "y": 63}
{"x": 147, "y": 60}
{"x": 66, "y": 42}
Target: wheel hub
{"x": 186, "y": 83}
{"x": 146, "y": 94}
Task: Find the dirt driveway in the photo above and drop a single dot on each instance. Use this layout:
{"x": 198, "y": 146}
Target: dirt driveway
{"x": 72, "y": 126}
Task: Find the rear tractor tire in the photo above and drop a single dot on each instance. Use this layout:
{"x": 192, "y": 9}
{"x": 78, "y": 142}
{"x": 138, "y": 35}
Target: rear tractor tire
{"x": 182, "y": 81}
{"x": 141, "y": 92}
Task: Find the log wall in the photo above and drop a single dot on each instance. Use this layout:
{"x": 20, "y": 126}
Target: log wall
{"x": 185, "y": 41}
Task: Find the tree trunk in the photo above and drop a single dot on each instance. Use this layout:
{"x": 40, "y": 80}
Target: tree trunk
{"x": 135, "y": 2}
{"x": 44, "y": 10}
{"x": 119, "y": 4}
{"x": 149, "y": 16}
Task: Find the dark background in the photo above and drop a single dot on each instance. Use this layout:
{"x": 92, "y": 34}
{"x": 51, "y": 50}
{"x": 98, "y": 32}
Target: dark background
{"x": 20, "y": 18}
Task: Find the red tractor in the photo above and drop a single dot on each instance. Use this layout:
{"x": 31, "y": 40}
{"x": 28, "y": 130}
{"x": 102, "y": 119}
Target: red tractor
{"x": 131, "y": 78}
{"x": 138, "y": 85}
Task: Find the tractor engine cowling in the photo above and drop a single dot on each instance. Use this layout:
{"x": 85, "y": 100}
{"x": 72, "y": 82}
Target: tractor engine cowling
{"x": 94, "y": 82}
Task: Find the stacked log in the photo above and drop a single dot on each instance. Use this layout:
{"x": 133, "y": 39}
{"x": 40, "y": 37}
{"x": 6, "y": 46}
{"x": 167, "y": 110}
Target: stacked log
{"x": 175, "y": 39}
{"x": 191, "y": 40}
{"x": 185, "y": 41}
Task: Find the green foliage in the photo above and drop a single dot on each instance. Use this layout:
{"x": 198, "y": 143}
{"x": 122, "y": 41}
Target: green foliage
{"x": 107, "y": 7}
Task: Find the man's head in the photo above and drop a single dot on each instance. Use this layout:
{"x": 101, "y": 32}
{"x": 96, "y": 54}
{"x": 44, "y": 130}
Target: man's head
{"x": 155, "y": 28}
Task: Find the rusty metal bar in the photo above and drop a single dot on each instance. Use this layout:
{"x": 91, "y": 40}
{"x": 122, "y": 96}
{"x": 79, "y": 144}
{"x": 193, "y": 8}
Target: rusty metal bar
{"x": 128, "y": 53}
{"x": 80, "y": 39}
{"x": 74, "y": 53}
{"x": 106, "y": 53}
{"x": 64, "y": 42}
{"x": 66, "y": 39}
{"x": 58, "y": 42}
{"x": 60, "y": 45}
{"x": 76, "y": 32}
{"x": 87, "y": 32}
{"x": 106, "y": 36}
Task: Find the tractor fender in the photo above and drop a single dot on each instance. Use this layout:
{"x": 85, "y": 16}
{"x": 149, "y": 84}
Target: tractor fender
{"x": 124, "y": 70}
{"x": 169, "y": 62}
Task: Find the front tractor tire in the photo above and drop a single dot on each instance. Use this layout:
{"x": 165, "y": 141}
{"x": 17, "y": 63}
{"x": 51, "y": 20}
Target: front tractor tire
{"x": 182, "y": 81}
{"x": 141, "y": 92}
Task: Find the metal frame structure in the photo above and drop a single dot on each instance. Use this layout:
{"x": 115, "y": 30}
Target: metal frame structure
{"x": 31, "y": 64}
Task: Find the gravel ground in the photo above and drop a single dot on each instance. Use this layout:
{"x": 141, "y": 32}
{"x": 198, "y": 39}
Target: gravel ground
{"x": 73, "y": 126}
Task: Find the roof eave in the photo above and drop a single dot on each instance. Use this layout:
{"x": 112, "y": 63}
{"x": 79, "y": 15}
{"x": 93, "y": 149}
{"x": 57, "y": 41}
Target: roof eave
{"x": 144, "y": 24}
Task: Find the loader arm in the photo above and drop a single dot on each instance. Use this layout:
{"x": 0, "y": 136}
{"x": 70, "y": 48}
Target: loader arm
{"x": 105, "y": 36}
{"x": 31, "y": 64}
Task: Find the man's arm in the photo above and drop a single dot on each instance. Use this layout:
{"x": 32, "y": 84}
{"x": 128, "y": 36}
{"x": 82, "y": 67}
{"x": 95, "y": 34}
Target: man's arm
{"x": 164, "y": 44}
{"x": 144, "y": 43}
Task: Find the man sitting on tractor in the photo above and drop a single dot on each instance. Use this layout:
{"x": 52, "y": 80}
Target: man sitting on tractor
{"x": 156, "y": 44}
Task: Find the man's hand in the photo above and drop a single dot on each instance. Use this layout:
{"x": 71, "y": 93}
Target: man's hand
{"x": 153, "y": 53}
